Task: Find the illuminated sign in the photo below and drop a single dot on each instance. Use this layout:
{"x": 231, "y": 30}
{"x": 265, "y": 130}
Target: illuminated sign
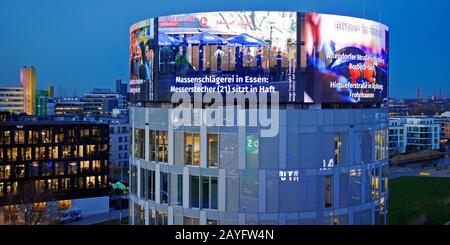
{"x": 346, "y": 59}
{"x": 327, "y": 165}
{"x": 343, "y": 59}
{"x": 289, "y": 176}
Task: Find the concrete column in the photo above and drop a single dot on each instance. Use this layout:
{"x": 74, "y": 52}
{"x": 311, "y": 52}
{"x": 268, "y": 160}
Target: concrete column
{"x": 203, "y": 147}
{"x": 222, "y": 189}
{"x": 186, "y": 187}
{"x": 202, "y": 217}
{"x": 157, "y": 184}
{"x": 170, "y": 216}
{"x": 242, "y": 142}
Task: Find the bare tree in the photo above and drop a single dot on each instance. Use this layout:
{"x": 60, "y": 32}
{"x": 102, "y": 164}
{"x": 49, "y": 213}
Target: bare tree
{"x": 31, "y": 206}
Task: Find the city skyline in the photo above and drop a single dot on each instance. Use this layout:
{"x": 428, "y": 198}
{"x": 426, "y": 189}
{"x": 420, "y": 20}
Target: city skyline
{"x": 87, "y": 46}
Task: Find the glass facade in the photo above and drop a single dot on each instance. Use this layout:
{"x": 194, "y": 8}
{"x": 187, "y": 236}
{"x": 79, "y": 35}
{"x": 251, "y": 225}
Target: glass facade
{"x": 68, "y": 158}
{"x": 328, "y": 172}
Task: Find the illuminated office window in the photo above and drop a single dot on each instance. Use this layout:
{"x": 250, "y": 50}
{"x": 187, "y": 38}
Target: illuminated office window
{"x": 53, "y": 152}
{"x": 139, "y": 143}
{"x": 20, "y": 171}
{"x": 53, "y": 184}
{"x": 80, "y": 150}
{"x": 337, "y": 149}
{"x": 59, "y": 136}
{"x": 5, "y": 172}
{"x": 375, "y": 182}
{"x": 84, "y": 166}
{"x": 46, "y": 136}
{"x": 72, "y": 168}
{"x": 39, "y": 153}
{"x": 163, "y": 146}
{"x": 90, "y": 150}
{"x": 66, "y": 151}
{"x": 90, "y": 182}
{"x": 96, "y": 165}
{"x": 381, "y": 144}
{"x": 28, "y": 154}
{"x": 5, "y": 137}
{"x": 84, "y": 133}
{"x": 192, "y": 149}
{"x": 19, "y": 137}
{"x": 12, "y": 154}
{"x": 40, "y": 185}
{"x": 213, "y": 153}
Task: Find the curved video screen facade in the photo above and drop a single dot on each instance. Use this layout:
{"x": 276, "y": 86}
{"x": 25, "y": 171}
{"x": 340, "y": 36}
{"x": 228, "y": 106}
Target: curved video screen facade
{"x": 305, "y": 57}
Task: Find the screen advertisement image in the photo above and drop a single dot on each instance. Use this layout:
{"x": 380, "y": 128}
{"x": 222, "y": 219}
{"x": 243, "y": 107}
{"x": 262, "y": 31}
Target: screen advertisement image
{"x": 142, "y": 60}
{"x": 228, "y": 52}
{"x": 346, "y": 59}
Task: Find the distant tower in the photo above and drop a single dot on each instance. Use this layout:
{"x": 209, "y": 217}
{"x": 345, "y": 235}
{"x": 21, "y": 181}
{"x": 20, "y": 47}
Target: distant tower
{"x": 435, "y": 104}
{"x": 418, "y": 94}
{"x": 28, "y": 81}
{"x": 50, "y": 91}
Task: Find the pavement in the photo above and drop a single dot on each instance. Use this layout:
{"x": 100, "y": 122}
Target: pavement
{"x": 396, "y": 172}
{"x": 99, "y": 218}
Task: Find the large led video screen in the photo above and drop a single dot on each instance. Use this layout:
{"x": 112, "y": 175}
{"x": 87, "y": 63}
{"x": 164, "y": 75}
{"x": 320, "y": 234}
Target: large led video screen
{"x": 143, "y": 59}
{"x": 346, "y": 59}
{"x": 228, "y": 52}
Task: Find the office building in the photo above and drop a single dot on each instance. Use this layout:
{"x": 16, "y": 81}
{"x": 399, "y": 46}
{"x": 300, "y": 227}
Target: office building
{"x": 327, "y": 159}
{"x": 69, "y": 159}
{"x": 11, "y": 99}
{"x": 121, "y": 88}
{"x": 102, "y": 102}
{"x": 397, "y": 135}
{"x": 28, "y": 81}
{"x": 68, "y": 106}
{"x": 423, "y": 134}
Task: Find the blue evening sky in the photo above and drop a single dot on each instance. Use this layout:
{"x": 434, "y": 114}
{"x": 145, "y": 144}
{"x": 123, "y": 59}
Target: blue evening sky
{"x": 77, "y": 45}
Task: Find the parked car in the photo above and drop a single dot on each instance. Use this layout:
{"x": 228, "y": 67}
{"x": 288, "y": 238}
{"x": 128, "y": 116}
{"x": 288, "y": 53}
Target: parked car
{"x": 70, "y": 215}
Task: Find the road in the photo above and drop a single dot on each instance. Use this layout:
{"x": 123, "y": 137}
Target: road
{"x": 416, "y": 169}
{"x": 99, "y": 218}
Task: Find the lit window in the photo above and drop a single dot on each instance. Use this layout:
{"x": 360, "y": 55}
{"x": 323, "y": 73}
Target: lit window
{"x": 192, "y": 149}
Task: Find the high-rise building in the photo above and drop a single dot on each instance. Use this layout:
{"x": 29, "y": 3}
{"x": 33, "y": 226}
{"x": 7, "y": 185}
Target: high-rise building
{"x": 28, "y": 81}
{"x": 51, "y": 91}
{"x": 321, "y": 157}
{"x": 121, "y": 88}
{"x": 11, "y": 99}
